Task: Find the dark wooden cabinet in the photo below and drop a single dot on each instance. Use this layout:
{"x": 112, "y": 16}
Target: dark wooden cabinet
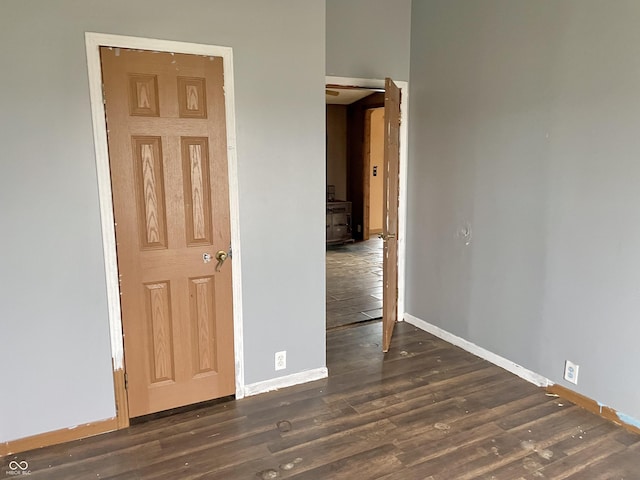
{"x": 339, "y": 222}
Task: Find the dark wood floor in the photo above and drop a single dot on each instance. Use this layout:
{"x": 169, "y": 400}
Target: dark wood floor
{"x": 354, "y": 282}
{"x": 426, "y": 410}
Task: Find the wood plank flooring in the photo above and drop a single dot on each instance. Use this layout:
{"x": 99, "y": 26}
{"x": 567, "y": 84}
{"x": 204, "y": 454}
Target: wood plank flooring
{"x": 425, "y": 410}
{"x": 354, "y": 282}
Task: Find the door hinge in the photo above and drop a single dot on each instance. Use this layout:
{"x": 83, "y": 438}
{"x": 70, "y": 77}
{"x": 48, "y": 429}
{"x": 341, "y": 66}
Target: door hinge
{"x": 126, "y": 381}
{"x": 104, "y": 97}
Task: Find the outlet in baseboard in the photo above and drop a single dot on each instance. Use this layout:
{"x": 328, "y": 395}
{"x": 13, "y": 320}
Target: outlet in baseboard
{"x": 571, "y": 372}
{"x": 281, "y": 360}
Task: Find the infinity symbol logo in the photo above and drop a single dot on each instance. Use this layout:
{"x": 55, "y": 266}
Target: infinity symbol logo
{"x": 13, "y": 465}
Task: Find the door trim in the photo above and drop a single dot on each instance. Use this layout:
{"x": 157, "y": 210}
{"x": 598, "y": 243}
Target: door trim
{"x": 366, "y": 172}
{"x": 404, "y": 156}
{"x": 93, "y": 42}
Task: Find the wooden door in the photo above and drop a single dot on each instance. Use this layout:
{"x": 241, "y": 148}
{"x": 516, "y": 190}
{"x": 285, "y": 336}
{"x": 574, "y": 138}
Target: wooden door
{"x": 167, "y": 149}
{"x": 390, "y": 222}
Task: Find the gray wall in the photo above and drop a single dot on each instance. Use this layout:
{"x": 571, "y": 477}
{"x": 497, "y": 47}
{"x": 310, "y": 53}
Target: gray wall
{"x": 53, "y": 313}
{"x": 368, "y": 38}
{"x": 524, "y": 125}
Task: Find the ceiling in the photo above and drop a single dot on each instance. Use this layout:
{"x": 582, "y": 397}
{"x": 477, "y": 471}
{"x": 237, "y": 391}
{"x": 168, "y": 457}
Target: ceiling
{"x": 347, "y": 95}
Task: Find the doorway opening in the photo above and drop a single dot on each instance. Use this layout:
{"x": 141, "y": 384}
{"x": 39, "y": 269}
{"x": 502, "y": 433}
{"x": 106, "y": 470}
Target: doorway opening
{"x": 366, "y": 159}
{"x": 353, "y": 259}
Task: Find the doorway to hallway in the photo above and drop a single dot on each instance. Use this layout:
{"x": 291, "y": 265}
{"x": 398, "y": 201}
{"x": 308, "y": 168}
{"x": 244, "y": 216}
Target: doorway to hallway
{"x": 355, "y": 149}
{"x": 350, "y": 168}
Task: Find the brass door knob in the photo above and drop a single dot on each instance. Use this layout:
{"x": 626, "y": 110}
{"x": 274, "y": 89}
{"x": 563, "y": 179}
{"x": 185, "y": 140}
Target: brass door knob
{"x": 221, "y": 256}
{"x": 386, "y": 236}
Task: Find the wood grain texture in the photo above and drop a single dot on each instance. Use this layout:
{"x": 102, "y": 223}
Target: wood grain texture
{"x": 177, "y": 175}
{"x": 591, "y": 406}
{"x": 143, "y": 95}
{"x": 192, "y": 97}
{"x": 356, "y": 114}
{"x": 203, "y": 326}
{"x": 122, "y": 407}
{"x": 425, "y": 410}
{"x": 149, "y": 175}
{"x": 366, "y": 180}
{"x": 390, "y": 203}
{"x": 197, "y": 194}
{"x": 160, "y": 331}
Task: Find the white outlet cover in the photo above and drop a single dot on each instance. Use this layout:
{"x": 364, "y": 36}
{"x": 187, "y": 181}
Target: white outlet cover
{"x": 281, "y": 360}
{"x": 571, "y": 372}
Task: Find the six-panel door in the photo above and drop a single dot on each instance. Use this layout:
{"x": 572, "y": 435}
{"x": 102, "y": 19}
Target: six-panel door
{"x": 168, "y": 157}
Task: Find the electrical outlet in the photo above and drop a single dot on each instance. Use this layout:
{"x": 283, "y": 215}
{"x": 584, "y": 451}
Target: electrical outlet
{"x": 281, "y": 360}
{"x": 571, "y": 372}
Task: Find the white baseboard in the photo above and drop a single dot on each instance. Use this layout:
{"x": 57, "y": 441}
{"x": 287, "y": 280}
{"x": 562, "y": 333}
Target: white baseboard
{"x": 286, "y": 381}
{"x": 501, "y": 362}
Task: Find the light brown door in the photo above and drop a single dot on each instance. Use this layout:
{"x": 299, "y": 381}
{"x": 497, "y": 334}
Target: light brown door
{"x": 390, "y": 222}
{"x": 167, "y": 149}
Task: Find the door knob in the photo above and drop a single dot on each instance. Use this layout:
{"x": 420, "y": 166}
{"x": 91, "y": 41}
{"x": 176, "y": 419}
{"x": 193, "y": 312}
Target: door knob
{"x": 221, "y": 256}
{"x": 386, "y": 236}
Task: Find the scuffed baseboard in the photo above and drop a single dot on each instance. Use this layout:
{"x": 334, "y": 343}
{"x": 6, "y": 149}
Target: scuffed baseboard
{"x": 587, "y": 403}
{"x": 593, "y": 406}
{"x": 58, "y": 436}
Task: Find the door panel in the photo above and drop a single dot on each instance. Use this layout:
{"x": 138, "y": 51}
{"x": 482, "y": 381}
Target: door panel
{"x": 195, "y": 174}
{"x": 391, "y": 199}
{"x": 167, "y": 149}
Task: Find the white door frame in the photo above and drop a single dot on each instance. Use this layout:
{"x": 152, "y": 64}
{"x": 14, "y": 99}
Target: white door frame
{"x": 404, "y": 156}
{"x": 93, "y": 43}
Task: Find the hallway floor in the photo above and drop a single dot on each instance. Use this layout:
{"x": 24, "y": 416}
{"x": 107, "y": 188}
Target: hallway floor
{"x": 354, "y": 282}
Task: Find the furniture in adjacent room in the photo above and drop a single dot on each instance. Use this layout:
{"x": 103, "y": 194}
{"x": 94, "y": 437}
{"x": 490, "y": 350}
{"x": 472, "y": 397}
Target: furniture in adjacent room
{"x": 339, "y": 222}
